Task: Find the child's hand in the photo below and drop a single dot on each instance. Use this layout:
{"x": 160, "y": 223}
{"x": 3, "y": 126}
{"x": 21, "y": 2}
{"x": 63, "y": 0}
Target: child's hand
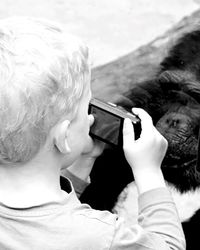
{"x": 145, "y": 154}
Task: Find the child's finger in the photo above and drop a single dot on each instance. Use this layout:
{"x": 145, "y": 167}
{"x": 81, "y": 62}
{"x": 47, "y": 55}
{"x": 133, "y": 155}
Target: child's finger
{"x": 91, "y": 119}
{"x": 128, "y": 132}
{"x": 146, "y": 120}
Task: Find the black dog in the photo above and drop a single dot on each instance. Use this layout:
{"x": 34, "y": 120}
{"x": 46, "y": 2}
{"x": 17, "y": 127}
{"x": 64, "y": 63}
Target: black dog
{"x": 172, "y": 98}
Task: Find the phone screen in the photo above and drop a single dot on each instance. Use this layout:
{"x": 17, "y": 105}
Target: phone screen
{"x": 107, "y": 126}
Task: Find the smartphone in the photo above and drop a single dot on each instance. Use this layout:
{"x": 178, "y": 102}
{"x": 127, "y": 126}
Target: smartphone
{"x": 108, "y": 124}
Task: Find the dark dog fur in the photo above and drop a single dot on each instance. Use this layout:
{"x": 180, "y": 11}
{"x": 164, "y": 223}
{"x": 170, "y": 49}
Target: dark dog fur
{"x": 172, "y": 98}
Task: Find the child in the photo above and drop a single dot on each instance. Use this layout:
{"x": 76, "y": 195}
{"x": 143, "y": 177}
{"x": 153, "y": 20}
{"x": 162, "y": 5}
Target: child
{"x": 44, "y": 97}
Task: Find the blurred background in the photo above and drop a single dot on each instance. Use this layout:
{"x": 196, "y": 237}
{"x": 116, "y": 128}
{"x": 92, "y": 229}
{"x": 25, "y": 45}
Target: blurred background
{"x": 111, "y": 28}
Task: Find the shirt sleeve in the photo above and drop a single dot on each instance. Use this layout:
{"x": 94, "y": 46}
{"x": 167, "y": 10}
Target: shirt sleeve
{"x": 158, "y": 225}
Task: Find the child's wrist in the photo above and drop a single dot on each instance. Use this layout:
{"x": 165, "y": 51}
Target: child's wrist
{"x": 147, "y": 179}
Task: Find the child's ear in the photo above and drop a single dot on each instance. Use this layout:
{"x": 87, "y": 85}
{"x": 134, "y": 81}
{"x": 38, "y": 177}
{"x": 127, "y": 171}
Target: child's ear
{"x": 60, "y": 137}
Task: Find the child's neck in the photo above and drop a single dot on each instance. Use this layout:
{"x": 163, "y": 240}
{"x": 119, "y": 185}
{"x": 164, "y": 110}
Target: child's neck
{"x": 29, "y": 185}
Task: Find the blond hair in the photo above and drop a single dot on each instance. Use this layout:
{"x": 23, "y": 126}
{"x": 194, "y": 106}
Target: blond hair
{"x": 43, "y": 71}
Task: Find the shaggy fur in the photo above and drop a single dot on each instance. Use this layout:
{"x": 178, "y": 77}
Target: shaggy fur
{"x": 172, "y": 98}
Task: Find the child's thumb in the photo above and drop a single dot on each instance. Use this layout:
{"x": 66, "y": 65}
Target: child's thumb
{"x": 91, "y": 119}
